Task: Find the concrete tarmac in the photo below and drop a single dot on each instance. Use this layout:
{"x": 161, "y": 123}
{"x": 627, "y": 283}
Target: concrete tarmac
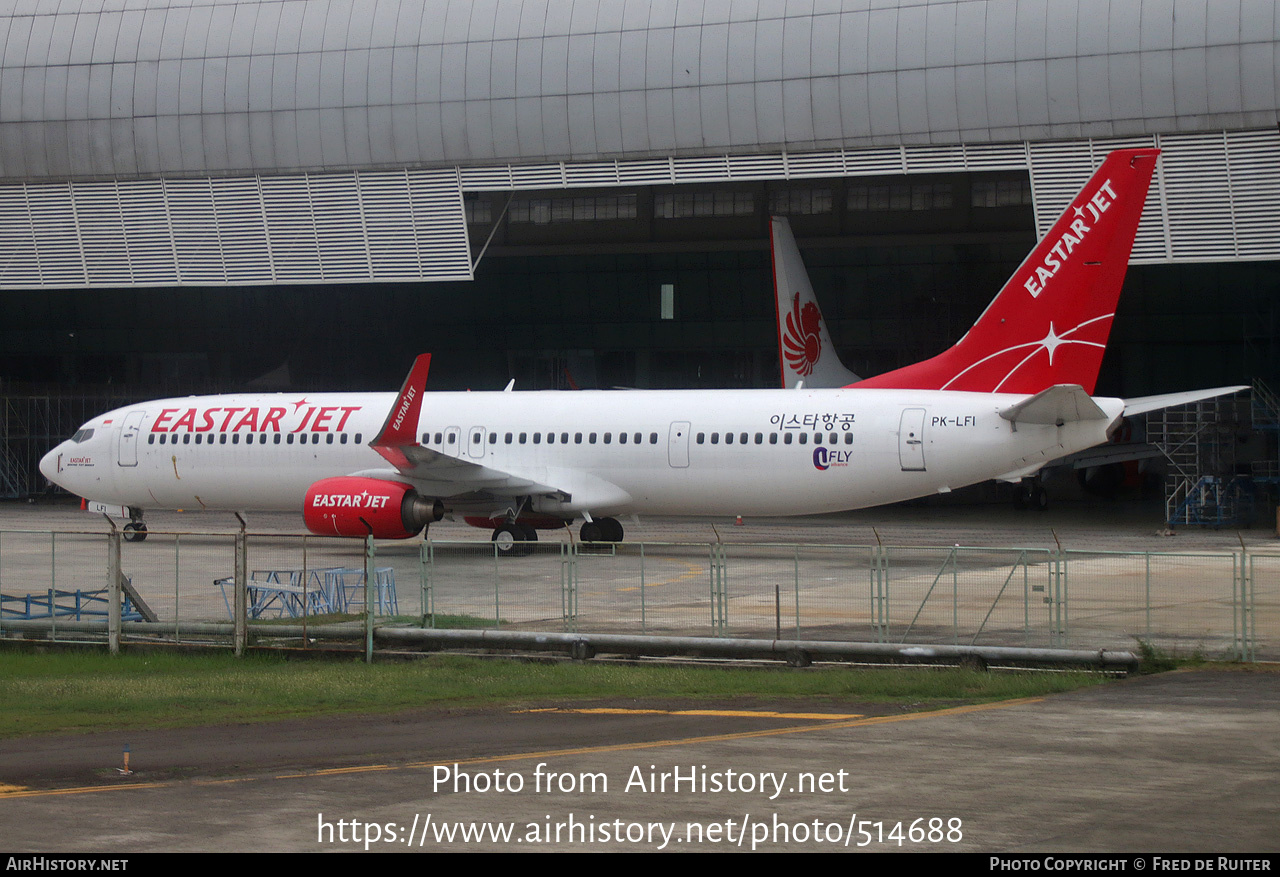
{"x": 1183, "y": 762}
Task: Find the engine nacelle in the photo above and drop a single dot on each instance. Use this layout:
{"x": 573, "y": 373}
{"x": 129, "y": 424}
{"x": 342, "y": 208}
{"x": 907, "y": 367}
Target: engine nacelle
{"x": 351, "y": 506}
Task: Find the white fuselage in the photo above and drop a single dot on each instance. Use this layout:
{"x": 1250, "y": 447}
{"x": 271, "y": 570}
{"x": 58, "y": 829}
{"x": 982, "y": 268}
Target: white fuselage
{"x": 730, "y": 452}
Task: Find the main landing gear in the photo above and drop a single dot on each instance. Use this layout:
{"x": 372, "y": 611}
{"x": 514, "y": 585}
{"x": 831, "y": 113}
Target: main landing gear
{"x": 601, "y": 530}
{"x": 513, "y": 539}
{"x": 136, "y": 529}
{"x": 1029, "y": 493}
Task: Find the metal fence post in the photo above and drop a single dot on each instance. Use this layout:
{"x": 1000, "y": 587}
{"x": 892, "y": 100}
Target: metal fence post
{"x": 113, "y": 591}
{"x": 1242, "y": 608}
{"x": 370, "y": 593}
{"x": 53, "y": 587}
{"x": 1058, "y": 599}
{"x": 497, "y": 596}
{"x": 569, "y": 586}
{"x": 643, "y": 620}
{"x": 426, "y": 560}
{"x": 240, "y": 617}
{"x": 798, "y": 589}
{"x": 879, "y": 596}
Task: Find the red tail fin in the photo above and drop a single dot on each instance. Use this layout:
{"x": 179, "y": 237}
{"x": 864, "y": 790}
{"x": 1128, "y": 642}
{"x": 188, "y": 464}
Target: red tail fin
{"x": 1050, "y": 322}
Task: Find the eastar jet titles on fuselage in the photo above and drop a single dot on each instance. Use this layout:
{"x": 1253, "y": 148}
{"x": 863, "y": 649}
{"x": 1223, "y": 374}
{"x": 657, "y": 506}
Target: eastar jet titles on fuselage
{"x": 1012, "y": 395}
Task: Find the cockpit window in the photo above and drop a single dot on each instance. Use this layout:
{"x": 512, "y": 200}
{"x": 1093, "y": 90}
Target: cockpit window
{"x": 82, "y": 435}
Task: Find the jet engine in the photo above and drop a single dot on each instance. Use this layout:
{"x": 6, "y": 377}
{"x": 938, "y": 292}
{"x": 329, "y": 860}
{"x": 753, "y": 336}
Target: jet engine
{"x": 353, "y": 506}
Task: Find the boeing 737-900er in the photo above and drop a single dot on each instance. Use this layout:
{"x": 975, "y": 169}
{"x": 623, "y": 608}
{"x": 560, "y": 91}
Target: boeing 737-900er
{"x": 1011, "y": 395}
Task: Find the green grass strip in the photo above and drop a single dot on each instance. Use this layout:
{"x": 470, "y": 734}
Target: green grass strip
{"x": 87, "y": 691}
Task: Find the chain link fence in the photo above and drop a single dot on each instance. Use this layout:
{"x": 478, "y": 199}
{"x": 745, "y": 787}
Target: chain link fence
{"x": 185, "y": 587}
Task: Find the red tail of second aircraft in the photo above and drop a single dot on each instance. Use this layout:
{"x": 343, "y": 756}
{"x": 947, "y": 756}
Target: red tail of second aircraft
{"x": 1050, "y": 322}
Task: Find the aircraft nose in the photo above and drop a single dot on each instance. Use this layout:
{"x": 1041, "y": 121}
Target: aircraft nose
{"x": 49, "y": 464}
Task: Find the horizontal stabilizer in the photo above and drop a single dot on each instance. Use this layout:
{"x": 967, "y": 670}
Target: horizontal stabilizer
{"x": 1061, "y": 403}
{"x": 1143, "y": 404}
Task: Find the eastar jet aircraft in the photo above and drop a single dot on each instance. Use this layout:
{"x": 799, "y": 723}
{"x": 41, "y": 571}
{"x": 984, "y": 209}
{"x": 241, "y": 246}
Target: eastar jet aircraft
{"x": 1011, "y": 395}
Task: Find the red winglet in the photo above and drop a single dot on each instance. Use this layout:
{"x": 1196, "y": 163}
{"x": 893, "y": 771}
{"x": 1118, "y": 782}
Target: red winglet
{"x": 401, "y": 427}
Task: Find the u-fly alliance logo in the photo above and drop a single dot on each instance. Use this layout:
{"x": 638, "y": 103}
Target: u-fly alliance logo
{"x": 801, "y": 342}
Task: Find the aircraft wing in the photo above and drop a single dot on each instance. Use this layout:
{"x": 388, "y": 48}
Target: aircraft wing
{"x": 435, "y": 473}
{"x": 1143, "y": 404}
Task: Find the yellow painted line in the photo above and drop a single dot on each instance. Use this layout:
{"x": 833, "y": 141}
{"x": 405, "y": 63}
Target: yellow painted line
{"x": 38, "y": 793}
{"x": 735, "y": 714}
{"x": 739, "y": 735}
{"x": 694, "y": 570}
{"x": 6, "y": 789}
{"x": 561, "y": 753}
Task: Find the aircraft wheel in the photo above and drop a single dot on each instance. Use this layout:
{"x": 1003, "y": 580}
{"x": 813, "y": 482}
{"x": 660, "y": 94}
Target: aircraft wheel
{"x": 610, "y": 529}
{"x": 509, "y": 540}
{"x": 530, "y": 534}
{"x": 591, "y": 532}
{"x": 135, "y": 531}
{"x": 1039, "y": 498}
{"x": 1022, "y": 496}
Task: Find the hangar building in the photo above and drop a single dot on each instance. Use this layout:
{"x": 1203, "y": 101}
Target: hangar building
{"x": 206, "y": 195}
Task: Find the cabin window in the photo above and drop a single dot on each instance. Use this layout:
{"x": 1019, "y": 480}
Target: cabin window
{"x": 715, "y": 438}
{"x": 493, "y": 438}
{"x": 786, "y": 438}
{"x": 742, "y": 439}
{"x": 564, "y": 438}
{"x": 448, "y": 439}
{"x": 358, "y": 438}
{"x": 425, "y": 437}
{"x": 439, "y": 438}
{"x": 701, "y": 437}
{"x": 475, "y": 439}
{"x": 277, "y": 439}
{"x": 577, "y": 438}
{"x": 342, "y": 439}
{"x": 551, "y": 438}
{"x": 186, "y": 438}
{"x": 608, "y": 436}
{"x": 289, "y": 439}
{"x": 773, "y": 438}
{"x": 759, "y": 438}
{"x": 817, "y": 438}
{"x": 328, "y": 438}
{"x": 848, "y": 438}
{"x": 653, "y": 438}
{"x": 804, "y": 437}
{"x": 235, "y": 439}
{"x": 524, "y": 437}
{"x": 222, "y": 438}
{"x": 507, "y": 438}
{"x": 728, "y": 438}
{"x": 537, "y": 438}
{"x": 151, "y": 439}
{"x": 591, "y": 438}
{"x": 622, "y": 438}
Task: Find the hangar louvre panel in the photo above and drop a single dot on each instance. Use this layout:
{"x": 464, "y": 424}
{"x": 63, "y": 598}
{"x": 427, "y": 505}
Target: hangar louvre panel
{"x": 304, "y": 228}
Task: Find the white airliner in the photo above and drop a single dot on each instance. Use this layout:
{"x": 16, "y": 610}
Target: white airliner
{"x": 1011, "y": 395}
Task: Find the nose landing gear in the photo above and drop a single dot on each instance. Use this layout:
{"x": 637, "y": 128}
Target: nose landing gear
{"x": 136, "y": 529}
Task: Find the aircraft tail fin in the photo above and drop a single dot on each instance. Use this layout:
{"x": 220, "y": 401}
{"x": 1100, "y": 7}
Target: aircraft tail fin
{"x": 1050, "y": 322}
{"x": 804, "y": 345}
